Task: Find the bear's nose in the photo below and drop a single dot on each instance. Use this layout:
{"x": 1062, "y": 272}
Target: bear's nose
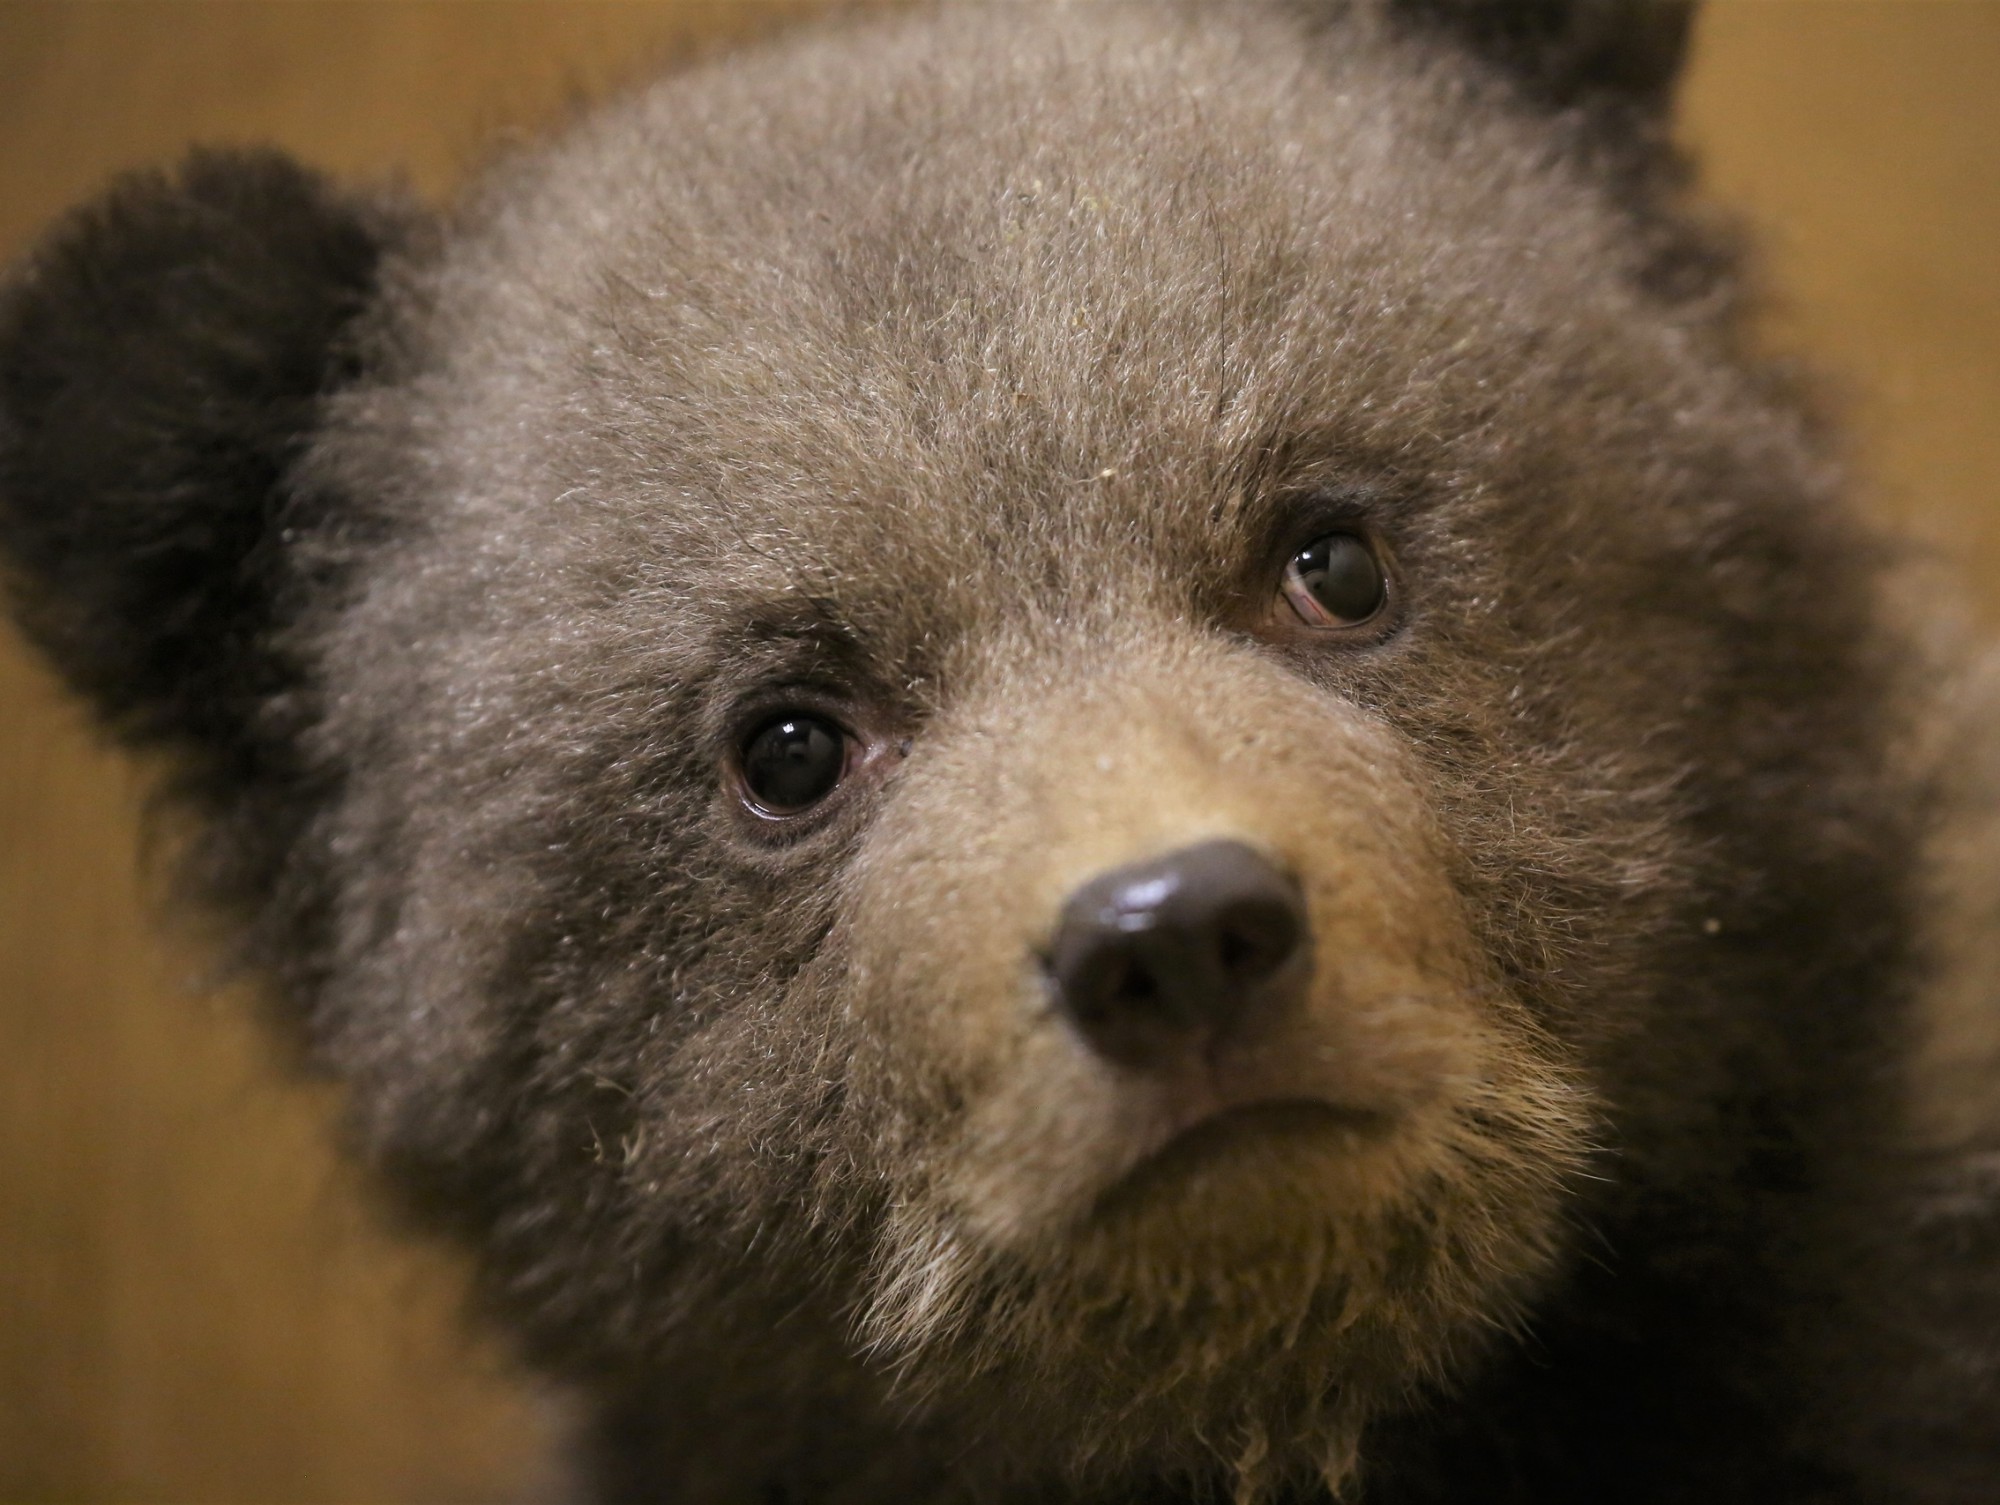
{"x": 1167, "y": 958}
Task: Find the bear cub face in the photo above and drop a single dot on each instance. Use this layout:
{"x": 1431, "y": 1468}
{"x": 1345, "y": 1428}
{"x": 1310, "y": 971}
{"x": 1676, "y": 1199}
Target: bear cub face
{"x": 1080, "y": 743}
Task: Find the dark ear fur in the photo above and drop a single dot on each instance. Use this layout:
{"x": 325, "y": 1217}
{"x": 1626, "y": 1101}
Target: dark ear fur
{"x": 1603, "y": 72}
{"x": 162, "y": 357}
{"x": 1615, "y": 55}
{"x": 164, "y": 354}
{"x": 1608, "y": 65}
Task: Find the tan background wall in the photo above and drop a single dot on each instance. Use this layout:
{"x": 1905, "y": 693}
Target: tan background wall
{"x": 193, "y": 1305}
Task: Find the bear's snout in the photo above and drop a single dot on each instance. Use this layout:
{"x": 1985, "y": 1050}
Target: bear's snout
{"x": 1163, "y": 963}
{"x": 1206, "y": 1001}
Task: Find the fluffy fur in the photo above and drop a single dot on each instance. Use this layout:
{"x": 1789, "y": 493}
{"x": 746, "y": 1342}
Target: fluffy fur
{"x": 969, "y": 377}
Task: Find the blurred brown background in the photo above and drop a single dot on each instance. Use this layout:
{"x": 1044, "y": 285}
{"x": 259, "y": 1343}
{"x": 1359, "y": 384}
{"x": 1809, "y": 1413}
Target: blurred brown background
{"x": 193, "y": 1303}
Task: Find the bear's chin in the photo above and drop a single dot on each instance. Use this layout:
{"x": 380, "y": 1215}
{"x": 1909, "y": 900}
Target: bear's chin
{"x": 1245, "y": 1300}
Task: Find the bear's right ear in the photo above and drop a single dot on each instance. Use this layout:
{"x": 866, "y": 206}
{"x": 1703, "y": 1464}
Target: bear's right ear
{"x": 164, "y": 356}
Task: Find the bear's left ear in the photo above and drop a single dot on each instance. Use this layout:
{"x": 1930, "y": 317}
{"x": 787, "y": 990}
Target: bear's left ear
{"x": 1619, "y": 55}
{"x": 1610, "y": 64}
{"x": 164, "y": 357}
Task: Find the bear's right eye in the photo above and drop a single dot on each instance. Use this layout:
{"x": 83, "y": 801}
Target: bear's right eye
{"x": 793, "y": 761}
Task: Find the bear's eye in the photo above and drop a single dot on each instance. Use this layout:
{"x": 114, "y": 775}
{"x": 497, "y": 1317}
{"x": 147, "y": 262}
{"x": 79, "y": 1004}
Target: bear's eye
{"x": 793, "y": 761}
{"x": 1335, "y": 581}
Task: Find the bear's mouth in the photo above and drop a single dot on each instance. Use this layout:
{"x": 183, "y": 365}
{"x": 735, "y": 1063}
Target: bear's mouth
{"x": 1230, "y": 1138}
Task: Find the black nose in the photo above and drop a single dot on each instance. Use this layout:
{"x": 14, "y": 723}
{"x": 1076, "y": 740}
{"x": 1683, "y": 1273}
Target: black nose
{"x": 1167, "y": 957}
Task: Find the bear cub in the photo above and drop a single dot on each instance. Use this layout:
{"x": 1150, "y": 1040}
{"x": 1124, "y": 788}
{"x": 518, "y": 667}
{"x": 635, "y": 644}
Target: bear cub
{"x": 1115, "y": 753}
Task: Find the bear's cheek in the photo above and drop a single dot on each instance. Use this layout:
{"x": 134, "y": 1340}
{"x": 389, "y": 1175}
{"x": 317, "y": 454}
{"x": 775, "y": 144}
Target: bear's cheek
{"x": 1356, "y": 1098}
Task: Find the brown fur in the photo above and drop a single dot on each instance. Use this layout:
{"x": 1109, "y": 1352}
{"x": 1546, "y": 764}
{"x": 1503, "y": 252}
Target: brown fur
{"x": 971, "y": 377}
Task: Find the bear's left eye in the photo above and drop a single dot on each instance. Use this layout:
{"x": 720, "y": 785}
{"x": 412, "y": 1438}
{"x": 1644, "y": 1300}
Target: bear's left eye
{"x": 793, "y": 761}
{"x": 1336, "y": 581}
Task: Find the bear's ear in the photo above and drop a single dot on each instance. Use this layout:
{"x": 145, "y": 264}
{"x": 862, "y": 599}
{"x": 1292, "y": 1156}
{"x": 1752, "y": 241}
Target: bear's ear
{"x": 164, "y": 355}
{"x": 1619, "y": 55}
{"x": 1612, "y": 64}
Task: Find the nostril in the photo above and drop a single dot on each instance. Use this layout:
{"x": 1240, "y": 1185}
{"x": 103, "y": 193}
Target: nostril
{"x": 1256, "y": 939}
{"x": 1135, "y": 984}
{"x": 1111, "y": 978}
{"x": 1168, "y": 956}
{"x": 1239, "y": 954}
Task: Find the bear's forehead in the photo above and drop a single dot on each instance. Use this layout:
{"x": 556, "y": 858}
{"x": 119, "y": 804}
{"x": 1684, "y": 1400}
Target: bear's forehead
{"x": 1080, "y": 330}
